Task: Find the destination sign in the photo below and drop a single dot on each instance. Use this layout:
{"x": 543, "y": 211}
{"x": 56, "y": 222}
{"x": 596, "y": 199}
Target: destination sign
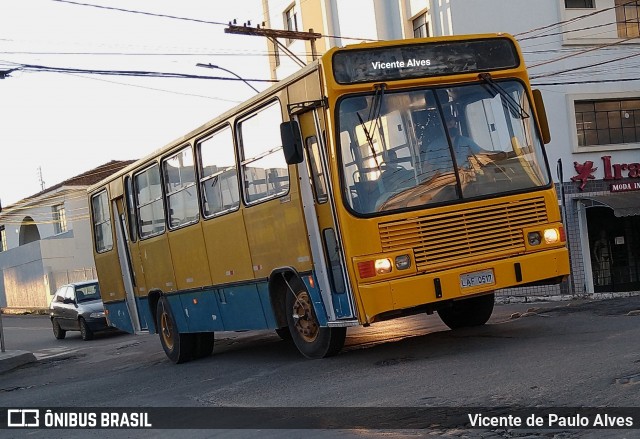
{"x": 424, "y": 60}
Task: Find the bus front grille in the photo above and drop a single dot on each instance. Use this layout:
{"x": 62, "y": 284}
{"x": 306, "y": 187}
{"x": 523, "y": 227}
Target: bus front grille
{"x": 442, "y": 240}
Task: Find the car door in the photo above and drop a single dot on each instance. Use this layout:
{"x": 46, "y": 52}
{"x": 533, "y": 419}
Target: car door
{"x": 57, "y": 309}
{"x": 68, "y": 310}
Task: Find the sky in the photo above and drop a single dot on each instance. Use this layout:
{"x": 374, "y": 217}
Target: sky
{"x": 63, "y": 124}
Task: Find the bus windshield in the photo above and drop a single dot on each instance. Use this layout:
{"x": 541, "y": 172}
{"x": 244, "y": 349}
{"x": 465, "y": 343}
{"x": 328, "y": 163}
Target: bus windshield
{"x": 407, "y": 149}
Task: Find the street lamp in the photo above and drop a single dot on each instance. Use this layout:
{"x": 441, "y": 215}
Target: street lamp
{"x": 213, "y": 66}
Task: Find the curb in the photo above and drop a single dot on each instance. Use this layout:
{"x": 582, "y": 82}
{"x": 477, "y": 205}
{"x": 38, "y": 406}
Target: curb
{"x": 17, "y": 311}
{"x": 12, "y": 359}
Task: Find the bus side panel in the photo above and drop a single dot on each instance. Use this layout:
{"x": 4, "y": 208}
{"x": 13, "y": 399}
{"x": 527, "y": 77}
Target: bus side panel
{"x": 189, "y": 257}
{"x": 284, "y": 242}
{"x": 144, "y": 313}
{"x": 175, "y": 302}
{"x": 201, "y": 311}
{"x": 316, "y": 299}
{"x": 267, "y": 308}
{"x": 156, "y": 263}
{"x": 140, "y": 286}
{"x": 108, "y": 268}
{"x": 241, "y": 308}
{"x": 118, "y": 315}
{"x": 227, "y": 248}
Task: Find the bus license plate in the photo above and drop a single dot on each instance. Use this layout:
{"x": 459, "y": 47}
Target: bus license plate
{"x": 476, "y": 278}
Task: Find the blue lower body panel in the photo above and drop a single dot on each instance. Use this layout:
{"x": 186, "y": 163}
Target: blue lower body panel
{"x": 118, "y": 316}
{"x": 232, "y": 308}
{"x": 236, "y": 308}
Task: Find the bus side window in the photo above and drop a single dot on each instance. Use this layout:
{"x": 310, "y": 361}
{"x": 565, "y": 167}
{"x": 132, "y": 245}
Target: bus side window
{"x": 218, "y": 173}
{"x": 148, "y": 192}
{"x": 101, "y": 222}
{"x": 265, "y": 173}
{"x": 318, "y": 180}
{"x": 180, "y": 186}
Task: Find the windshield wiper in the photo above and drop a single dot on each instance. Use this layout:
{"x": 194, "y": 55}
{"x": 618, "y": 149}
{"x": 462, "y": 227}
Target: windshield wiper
{"x": 374, "y": 114}
{"x": 514, "y": 107}
{"x": 369, "y": 139}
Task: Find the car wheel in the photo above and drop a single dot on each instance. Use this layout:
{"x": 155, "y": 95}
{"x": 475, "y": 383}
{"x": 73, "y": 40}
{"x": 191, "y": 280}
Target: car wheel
{"x": 178, "y": 347}
{"x": 85, "y": 332}
{"x": 311, "y": 339}
{"x": 58, "y": 332}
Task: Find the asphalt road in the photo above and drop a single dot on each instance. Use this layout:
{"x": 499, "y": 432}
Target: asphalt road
{"x": 563, "y": 354}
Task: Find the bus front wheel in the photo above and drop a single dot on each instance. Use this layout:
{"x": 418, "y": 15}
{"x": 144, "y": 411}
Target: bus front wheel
{"x": 178, "y": 347}
{"x": 474, "y": 311}
{"x": 311, "y": 339}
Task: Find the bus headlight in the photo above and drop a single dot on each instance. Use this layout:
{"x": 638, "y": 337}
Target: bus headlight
{"x": 383, "y": 266}
{"x": 403, "y": 262}
{"x": 551, "y": 236}
{"x": 534, "y": 238}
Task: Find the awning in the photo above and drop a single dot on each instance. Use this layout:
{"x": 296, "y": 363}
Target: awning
{"x": 622, "y": 203}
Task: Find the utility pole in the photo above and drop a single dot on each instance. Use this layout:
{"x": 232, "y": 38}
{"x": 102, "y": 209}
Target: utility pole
{"x": 42, "y": 185}
{"x": 274, "y": 34}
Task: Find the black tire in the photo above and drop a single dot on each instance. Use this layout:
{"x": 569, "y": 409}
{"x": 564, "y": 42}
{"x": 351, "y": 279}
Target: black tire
{"x": 58, "y": 332}
{"x": 312, "y": 340}
{"x": 85, "y": 332}
{"x": 203, "y": 344}
{"x": 178, "y": 347}
{"x": 474, "y": 311}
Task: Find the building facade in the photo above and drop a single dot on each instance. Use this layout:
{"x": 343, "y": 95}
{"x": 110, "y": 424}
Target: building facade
{"x": 582, "y": 54}
{"x": 45, "y": 241}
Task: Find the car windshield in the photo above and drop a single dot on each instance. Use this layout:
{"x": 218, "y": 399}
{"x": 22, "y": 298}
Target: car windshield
{"x": 86, "y": 293}
{"x": 409, "y": 149}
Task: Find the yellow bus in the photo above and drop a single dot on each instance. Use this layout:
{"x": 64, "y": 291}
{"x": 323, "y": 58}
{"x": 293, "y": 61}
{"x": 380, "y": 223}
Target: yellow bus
{"x": 383, "y": 179}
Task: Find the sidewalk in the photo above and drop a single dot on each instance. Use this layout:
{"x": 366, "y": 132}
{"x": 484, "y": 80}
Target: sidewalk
{"x": 10, "y": 359}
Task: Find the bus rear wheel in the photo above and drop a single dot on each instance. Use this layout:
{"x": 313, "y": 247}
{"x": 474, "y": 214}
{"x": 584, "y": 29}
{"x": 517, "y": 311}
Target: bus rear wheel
{"x": 203, "y": 344}
{"x": 474, "y": 311}
{"x": 311, "y": 339}
{"x": 178, "y": 347}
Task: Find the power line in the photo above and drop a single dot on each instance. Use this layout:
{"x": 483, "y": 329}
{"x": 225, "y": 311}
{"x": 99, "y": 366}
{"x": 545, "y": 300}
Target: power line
{"x": 155, "y": 89}
{"x": 581, "y": 52}
{"x": 571, "y": 20}
{"x": 594, "y": 81}
{"x": 174, "y": 17}
{"x": 573, "y": 69}
{"x": 152, "y": 74}
{"x": 151, "y": 14}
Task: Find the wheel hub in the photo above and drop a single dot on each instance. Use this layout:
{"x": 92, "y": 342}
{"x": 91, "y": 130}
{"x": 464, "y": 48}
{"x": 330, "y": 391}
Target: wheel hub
{"x": 165, "y": 330}
{"x": 305, "y": 321}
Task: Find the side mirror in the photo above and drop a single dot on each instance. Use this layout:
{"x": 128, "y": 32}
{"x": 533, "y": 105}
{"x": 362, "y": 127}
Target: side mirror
{"x": 291, "y": 142}
{"x": 68, "y": 301}
{"x": 542, "y": 116}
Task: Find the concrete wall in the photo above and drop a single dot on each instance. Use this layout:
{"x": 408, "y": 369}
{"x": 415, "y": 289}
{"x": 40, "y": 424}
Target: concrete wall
{"x": 23, "y": 276}
{"x": 30, "y": 274}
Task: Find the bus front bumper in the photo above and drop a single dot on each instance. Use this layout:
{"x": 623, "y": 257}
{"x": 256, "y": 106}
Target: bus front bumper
{"x": 426, "y": 288}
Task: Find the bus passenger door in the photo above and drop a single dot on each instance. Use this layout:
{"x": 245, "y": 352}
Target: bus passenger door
{"x": 319, "y": 208}
{"x": 138, "y": 318}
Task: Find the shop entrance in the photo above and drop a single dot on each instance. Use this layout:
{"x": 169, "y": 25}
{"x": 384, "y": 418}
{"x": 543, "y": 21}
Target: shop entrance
{"x": 615, "y": 250}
